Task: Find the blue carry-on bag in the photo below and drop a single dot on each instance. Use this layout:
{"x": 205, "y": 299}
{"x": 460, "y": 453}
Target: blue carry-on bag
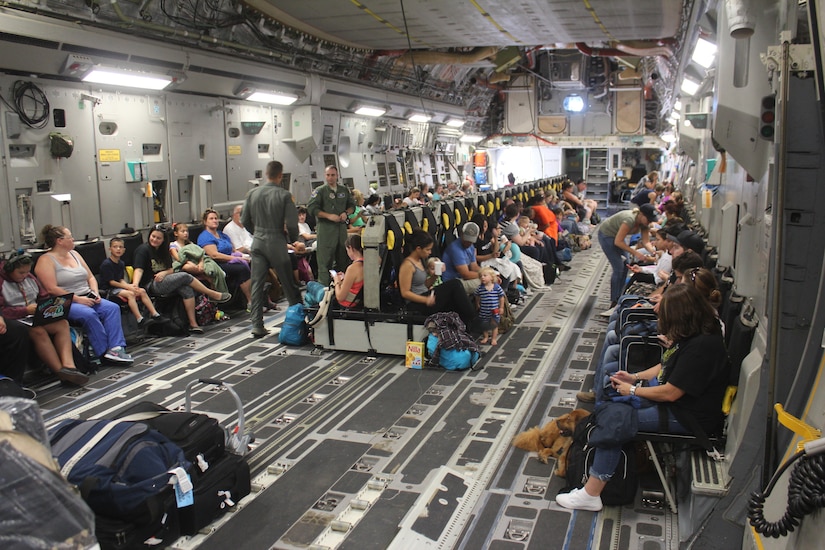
{"x": 118, "y": 466}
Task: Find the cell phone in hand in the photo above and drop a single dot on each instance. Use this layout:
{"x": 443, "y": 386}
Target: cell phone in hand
{"x": 333, "y": 273}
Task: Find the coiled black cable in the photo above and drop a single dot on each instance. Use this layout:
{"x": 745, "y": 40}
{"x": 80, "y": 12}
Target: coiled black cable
{"x": 806, "y": 493}
{"x": 30, "y": 103}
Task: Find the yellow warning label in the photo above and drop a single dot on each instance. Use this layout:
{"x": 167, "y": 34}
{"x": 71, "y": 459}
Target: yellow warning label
{"x": 108, "y": 155}
{"x": 233, "y": 150}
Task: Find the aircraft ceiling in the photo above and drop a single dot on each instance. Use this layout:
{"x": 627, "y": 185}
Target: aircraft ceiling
{"x": 459, "y": 52}
{"x": 385, "y": 24}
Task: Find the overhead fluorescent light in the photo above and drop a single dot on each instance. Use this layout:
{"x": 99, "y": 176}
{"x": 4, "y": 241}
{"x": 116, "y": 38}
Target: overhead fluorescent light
{"x": 470, "y": 138}
{"x": 689, "y": 87}
{"x": 455, "y": 122}
{"x": 260, "y": 94}
{"x": 704, "y": 54}
{"x": 366, "y": 110}
{"x": 127, "y": 78}
{"x": 273, "y": 98}
{"x": 418, "y": 117}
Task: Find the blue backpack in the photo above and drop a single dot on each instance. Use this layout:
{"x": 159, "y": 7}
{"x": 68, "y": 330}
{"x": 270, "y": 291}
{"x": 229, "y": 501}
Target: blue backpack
{"x": 123, "y": 470}
{"x": 451, "y": 359}
{"x": 314, "y": 294}
{"x": 294, "y": 329}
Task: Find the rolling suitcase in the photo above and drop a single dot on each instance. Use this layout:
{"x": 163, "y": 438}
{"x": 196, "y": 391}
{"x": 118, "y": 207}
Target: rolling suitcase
{"x": 216, "y": 491}
{"x": 157, "y": 529}
{"x": 197, "y": 434}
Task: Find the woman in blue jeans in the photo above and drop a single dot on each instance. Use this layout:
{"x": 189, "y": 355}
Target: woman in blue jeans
{"x": 692, "y": 378}
{"x": 612, "y": 234}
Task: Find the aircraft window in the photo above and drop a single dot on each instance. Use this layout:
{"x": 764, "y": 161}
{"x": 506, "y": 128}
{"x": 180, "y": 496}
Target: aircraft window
{"x": 263, "y": 147}
{"x": 107, "y": 128}
{"x": 234, "y": 132}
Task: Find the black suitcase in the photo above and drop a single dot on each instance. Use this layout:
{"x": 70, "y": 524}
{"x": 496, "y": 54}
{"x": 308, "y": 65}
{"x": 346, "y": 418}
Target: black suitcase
{"x": 157, "y": 529}
{"x": 195, "y": 433}
{"x": 215, "y": 491}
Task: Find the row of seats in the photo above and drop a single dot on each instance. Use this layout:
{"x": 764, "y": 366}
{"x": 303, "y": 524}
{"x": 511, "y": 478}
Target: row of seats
{"x": 383, "y": 325}
{"x": 707, "y": 471}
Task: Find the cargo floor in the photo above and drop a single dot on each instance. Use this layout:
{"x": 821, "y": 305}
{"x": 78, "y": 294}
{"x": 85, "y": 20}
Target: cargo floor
{"x": 359, "y": 452}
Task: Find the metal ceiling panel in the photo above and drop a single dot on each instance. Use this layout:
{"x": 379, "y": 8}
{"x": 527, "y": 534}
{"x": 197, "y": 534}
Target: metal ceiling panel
{"x": 380, "y": 25}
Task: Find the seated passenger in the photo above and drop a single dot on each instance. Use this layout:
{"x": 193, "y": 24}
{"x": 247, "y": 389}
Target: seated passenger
{"x": 415, "y": 282}
{"x": 569, "y": 194}
{"x": 349, "y": 285}
{"x": 237, "y": 233}
{"x": 609, "y": 362}
{"x": 14, "y": 345}
{"x": 438, "y": 191}
{"x": 153, "y": 271}
{"x": 189, "y": 257}
{"x": 373, "y": 206}
{"x": 489, "y": 252}
{"x": 62, "y": 270}
{"x": 113, "y": 285}
{"x": 219, "y": 247}
{"x": 541, "y": 214}
{"x": 460, "y": 258}
{"x": 358, "y": 217}
{"x": 307, "y": 236}
{"x": 412, "y": 198}
{"x": 19, "y": 292}
{"x": 690, "y": 381}
{"x": 589, "y": 204}
{"x": 657, "y": 273}
{"x": 649, "y": 196}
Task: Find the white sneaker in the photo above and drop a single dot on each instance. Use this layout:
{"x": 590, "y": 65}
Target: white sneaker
{"x": 118, "y": 355}
{"x": 608, "y": 313}
{"x": 578, "y": 499}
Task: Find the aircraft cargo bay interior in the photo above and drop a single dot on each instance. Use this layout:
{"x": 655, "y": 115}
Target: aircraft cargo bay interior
{"x": 401, "y": 274}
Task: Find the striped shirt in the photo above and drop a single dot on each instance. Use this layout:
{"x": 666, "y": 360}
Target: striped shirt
{"x": 488, "y": 300}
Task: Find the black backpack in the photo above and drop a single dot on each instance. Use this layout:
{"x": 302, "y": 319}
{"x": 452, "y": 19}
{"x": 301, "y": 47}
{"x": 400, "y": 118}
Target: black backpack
{"x": 621, "y": 489}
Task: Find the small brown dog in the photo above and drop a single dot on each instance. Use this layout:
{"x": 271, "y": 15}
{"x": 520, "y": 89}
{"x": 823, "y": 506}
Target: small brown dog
{"x": 552, "y": 439}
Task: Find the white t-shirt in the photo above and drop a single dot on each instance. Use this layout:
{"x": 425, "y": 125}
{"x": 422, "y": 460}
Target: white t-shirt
{"x": 665, "y": 264}
{"x": 240, "y": 237}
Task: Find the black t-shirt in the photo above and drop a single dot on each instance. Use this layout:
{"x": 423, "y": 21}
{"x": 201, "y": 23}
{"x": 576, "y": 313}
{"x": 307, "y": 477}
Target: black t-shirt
{"x": 144, "y": 260}
{"x": 111, "y": 271}
{"x": 484, "y": 247}
{"x": 699, "y": 367}
{"x": 642, "y": 198}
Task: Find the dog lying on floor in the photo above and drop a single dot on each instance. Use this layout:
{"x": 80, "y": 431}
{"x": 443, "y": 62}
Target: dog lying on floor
{"x": 552, "y": 439}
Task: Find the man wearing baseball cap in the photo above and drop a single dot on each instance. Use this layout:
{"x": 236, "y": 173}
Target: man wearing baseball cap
{"x": 689, "y": 240}
{"x": 460, "y": 258}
